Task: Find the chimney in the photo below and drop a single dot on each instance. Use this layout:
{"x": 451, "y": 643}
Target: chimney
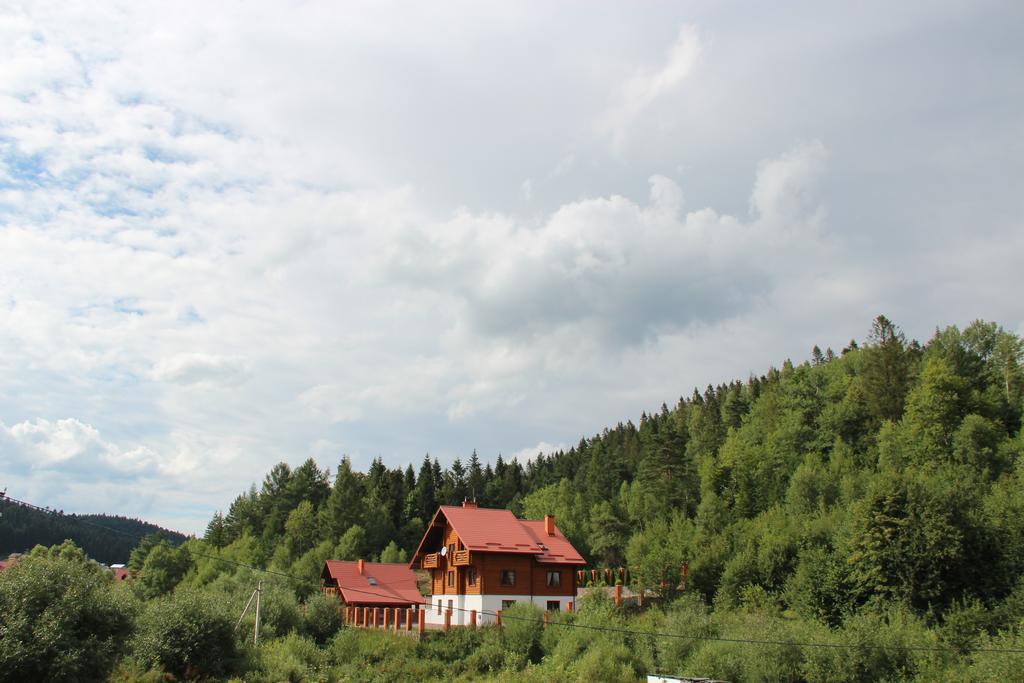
{"x": 469, "y": 504}
{"x": 360, "y": 564}
{"x": 549, "y": 525}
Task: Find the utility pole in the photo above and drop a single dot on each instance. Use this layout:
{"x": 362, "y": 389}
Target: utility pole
{"x": 258, "y": 594}
{"x": 256, "y": 630}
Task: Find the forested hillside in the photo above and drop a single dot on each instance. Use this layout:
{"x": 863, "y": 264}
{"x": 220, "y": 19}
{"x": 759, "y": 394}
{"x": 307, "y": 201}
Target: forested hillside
{"x": 885, "y": 472}
{"x": 858, "y": 516}
{"x": 22, "y": 528}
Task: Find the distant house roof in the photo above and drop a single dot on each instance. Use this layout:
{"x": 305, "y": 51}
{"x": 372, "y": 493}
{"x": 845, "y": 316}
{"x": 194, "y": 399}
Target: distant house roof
{"x": 121, "y": 573}
{"x": 500, "y": 531}
{"x": 3, "y": 565}
{"x": 380, "y": 583}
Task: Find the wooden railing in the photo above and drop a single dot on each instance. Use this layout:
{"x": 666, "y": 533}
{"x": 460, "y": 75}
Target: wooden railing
{"x": 461, "y": 558}
{"x": 429, "y": 561}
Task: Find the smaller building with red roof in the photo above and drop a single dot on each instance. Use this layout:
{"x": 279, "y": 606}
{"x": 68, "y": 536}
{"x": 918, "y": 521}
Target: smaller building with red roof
{"x": 483, "y": 560}
{"x": 371, "y": 584}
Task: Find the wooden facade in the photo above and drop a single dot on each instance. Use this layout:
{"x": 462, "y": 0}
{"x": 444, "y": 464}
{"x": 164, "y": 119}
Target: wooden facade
{"x": 502, "y": 560}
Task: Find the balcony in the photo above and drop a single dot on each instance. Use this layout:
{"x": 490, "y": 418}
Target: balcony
{"x": 460, "y": 558}
{"x": 429, "y": 561}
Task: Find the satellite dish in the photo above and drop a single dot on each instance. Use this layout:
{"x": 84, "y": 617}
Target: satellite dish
{"x": 444, "y": 550}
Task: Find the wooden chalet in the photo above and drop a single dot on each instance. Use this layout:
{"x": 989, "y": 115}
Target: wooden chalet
{"x": 371, "y": 584}
{"x": 484, "y": 560}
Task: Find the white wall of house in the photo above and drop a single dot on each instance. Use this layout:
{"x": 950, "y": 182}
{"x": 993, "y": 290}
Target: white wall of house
{"x": 485, "y": 606}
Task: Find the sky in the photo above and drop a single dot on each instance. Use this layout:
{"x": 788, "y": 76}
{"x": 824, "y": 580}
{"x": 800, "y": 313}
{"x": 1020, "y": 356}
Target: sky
{"x": 238, "y": 233}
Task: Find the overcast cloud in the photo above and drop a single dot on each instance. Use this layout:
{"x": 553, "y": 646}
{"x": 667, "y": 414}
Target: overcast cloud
{"x": 237, "y": 234}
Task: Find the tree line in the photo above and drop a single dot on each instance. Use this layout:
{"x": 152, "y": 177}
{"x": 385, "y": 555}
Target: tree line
{"x": 888, "y": 471}
{"x": 22, "y": 528}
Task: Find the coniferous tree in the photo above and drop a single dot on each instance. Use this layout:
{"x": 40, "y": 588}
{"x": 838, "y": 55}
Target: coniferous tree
{"x": 215, "y": 534}
{"x": 344, "y": 506}
{"x": 425, "y": 495}
{"x": 887, "y": 368}
{"x": 475, "y": 477}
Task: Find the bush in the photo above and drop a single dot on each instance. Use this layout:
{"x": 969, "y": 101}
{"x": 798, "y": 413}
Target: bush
{"x": 293, "y": 659}
{"x": 688, "y": 617}
{"x": 322, "y": 618}
{"x": 610, "y": 664}
{"x": 279, "y": 613}
{"x": 998, "y": 666}
{"x": 186, "y": 634}
{"x": 522, "y": 626}
{"x": 451, "y": 647}
{"x": 60, "y": 620}
{"x": 874, "y": 655}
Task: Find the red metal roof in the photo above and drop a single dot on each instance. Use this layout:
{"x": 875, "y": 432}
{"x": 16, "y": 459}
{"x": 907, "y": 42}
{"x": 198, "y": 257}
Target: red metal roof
{"x": 396, "y": 583}
{"x": 559, "y": 549}
{"x": 3, "y": 564}
{"x": 499, "y": 531}
{"x": 490, "y": 529}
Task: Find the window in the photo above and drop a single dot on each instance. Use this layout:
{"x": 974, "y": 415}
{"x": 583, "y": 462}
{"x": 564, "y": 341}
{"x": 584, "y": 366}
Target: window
{"x": 438, "y": 606}
{"x": 554, "y": 605}
{"x": 554, "y": 579}
{"x": 508, "y": 577}
{"x": 449, "y": 607}
{"x": 451, "y": 577}
{"x": 507, "y": 604}
{"x": 451, "y": 552}
{"x": 471, "y": 576}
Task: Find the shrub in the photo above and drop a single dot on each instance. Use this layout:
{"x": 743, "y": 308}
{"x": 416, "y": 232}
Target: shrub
{"x": 611, "y": 663}
{"x": 449, "y": 647}
{"x": 293, "y": 659}
{"x": 322, "y": 618}
{"x": 186, "y": 634}
{"x": 689, "y": 617}
{"x": 872, "y": 650}
{"x": 280, "y": 613}
{"x": 60, "y": 620}
{"x": 523, "y": 626}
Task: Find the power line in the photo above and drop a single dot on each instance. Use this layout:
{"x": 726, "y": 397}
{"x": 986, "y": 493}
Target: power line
{"x": 569, "y": 624}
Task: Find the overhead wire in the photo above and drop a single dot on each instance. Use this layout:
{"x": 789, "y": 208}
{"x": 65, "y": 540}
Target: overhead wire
{"x": 569, "y": 624}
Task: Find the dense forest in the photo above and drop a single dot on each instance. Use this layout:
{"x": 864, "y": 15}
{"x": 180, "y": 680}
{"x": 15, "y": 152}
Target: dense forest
{"x": 105, "y": 538}
{"x": 868, "y": 501}
{"x": 883, "y": 472}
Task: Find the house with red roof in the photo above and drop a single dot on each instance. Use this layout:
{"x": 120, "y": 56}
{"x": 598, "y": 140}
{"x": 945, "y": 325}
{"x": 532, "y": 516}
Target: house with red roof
{"x": 371, "y": 584}
{"x": 484, "y": 560}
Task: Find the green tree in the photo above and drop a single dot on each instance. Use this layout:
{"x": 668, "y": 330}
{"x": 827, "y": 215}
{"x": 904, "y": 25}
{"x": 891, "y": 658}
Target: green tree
{"x": 392, "y": 553}
{"x": 60, "y": 619}
{"x": 216, "y": 535}
{"x": 352, "y": 545}
{"x": 608, "y": 534}
{"x": 887, "y": 368}
{"x": 343, "y": 508}
{"x": 164, "y": 568}
{"x": 919, "y": 540}
{"x": 300, "y": 529}
{"x": 187, "y": 635}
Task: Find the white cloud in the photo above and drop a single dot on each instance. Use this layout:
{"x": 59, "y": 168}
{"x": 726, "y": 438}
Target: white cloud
{"x": 647, "y": 85}
{"x": 229, "y": 237}
{"x": 201, "y": 368}
{"x": 525, "y": 455}
{"x": 68, "y": 444}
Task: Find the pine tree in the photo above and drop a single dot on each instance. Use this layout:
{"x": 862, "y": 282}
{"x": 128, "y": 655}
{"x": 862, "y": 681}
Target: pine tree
{"x": 215, "y": 534}
{"x": 344, "y": 506}
{"x": 475, "y": 478}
